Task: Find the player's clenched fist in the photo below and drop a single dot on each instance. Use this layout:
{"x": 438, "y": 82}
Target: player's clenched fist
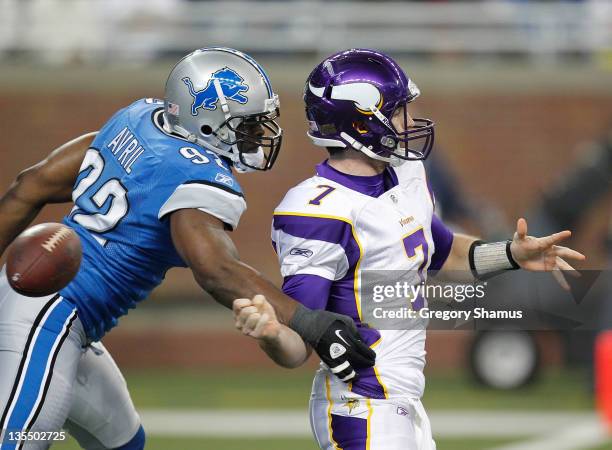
{"x": 256, "y": 318}
{"x": 333, "y": 336}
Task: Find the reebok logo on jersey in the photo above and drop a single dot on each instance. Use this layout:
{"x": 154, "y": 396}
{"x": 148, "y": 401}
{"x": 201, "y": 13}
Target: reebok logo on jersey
{"x": 301, "y": 252}
{"x": 402, "y": 412}
{"x": 336, "y": 350}
{"x": 225, "y": 179}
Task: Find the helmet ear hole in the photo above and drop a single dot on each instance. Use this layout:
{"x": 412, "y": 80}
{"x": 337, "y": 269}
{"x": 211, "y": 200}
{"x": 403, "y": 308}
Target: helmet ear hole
{"x": 206, "y": 130}
{"x": 361, "y": 127}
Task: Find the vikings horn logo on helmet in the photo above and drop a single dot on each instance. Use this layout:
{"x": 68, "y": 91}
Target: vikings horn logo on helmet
{"x": 357, "y": 82}
{"x": 232, "y": 86}
{"x": 364, "y": 95}
{"x": 316, "y": 91}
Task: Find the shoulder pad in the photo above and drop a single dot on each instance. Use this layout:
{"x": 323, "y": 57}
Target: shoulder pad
{"x": 409, "y": 170}
{"x": 318, "y": 198}
{"x": 194, "y": 165}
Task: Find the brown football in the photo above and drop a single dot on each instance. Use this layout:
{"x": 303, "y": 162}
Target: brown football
{"x": 43, "y": 259}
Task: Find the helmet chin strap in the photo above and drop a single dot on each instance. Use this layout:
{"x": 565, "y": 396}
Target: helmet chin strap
{"x": 393, "y": 160}
{"x": 177, "y": 129}
{"x": 362, "y": 148}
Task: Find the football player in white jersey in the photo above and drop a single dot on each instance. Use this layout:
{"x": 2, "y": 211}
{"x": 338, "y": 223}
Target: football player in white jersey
{"x": 369, "y": 207}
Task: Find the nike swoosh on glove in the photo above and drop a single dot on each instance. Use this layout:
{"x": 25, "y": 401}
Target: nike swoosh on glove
{"x": 335, "y": 339}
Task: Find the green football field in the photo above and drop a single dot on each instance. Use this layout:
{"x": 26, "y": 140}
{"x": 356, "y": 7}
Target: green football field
{"x": 276, "y": 444}
{"x": 285, "y": 390}
{"x": 291, "y": 389}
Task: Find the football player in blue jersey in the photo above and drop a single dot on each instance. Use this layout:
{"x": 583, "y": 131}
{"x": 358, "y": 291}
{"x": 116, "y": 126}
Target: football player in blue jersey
{"x": 153, "y": 189}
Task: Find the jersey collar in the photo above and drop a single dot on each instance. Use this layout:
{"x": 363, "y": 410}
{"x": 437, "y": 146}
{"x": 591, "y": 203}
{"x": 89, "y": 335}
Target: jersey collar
{"x": 373, "y": 186}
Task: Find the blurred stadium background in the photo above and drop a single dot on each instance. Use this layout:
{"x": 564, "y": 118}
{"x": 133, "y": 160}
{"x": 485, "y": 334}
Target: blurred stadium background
{"x": 521, "y": 93}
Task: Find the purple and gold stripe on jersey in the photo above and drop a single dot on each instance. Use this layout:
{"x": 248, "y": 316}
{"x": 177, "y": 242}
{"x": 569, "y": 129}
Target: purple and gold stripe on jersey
{"x": 340, "y": 296}
{"x": 369, "y": 383}
{"x": 311, "y": 291}
{"x": 349, "y": 433}
{"x": 443, "y": 241}
{"x": 336, "y": 230}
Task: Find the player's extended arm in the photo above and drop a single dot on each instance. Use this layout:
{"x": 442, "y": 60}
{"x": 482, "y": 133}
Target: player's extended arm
{"x": 49, "y": 181}
{"x": 456, "y": 268}
{"x": 470, "y": 256}
{"x": 256, "y": 318}
{"x": 204, "y": 245}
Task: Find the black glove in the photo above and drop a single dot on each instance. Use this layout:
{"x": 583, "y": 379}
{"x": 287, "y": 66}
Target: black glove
{"x": 335, "y": 339}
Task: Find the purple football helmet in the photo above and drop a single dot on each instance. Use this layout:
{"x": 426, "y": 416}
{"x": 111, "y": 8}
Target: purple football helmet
{"x": 351, "y": 98}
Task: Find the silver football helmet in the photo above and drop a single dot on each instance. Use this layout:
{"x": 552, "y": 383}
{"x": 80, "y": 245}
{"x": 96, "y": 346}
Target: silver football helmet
{"x": 222, "y": 99}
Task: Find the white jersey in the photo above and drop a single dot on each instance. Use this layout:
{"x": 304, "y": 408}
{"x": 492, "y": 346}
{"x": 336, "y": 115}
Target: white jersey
{"x": 325, "y": 229}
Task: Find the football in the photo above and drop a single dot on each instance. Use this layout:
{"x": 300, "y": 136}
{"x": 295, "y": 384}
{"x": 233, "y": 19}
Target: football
{"x": 43, "y": 259}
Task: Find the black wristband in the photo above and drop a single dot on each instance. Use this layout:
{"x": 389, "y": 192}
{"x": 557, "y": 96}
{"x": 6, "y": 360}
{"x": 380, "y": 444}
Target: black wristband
{"x": 471, "y": 257}
{"x": 514, "y": 264}
{"x": 308, "y": 324}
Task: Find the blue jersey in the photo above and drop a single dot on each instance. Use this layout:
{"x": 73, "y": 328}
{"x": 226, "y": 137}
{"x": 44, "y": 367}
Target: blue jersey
{"x": 133, "y": 176}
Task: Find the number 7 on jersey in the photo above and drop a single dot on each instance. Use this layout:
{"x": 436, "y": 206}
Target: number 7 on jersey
{"x": 327, "y": 190}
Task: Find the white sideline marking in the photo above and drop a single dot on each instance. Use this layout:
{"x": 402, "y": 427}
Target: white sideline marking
{"x": 226, "y": 423}
{"x": 575, "y": 437}
{"x": 544, "y": 429}
{"x": 469, "y": 423}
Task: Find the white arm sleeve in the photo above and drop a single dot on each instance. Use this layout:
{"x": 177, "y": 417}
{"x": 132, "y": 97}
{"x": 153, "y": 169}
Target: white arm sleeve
{"x": 309, "y": 256}
{"x": 225, "y": 205}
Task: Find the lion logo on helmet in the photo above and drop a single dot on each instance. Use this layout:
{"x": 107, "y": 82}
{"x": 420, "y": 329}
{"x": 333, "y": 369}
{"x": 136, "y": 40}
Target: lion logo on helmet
{"x": 232, "y": 86}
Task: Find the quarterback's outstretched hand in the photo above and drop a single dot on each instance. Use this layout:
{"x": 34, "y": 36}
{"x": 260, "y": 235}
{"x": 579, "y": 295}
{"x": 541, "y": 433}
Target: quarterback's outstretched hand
{"x": 543, "y": 254}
